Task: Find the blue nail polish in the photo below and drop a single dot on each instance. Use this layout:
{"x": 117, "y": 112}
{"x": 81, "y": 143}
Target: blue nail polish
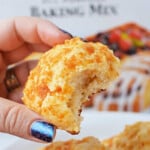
{"x": 65, "y": 32}
{"x": 43, "y": 131}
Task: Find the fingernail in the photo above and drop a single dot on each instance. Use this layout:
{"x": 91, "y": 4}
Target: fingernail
{"x": 66, "y": 32}
{"x": 43, "y": 131}
{"x": 84, "y": 40}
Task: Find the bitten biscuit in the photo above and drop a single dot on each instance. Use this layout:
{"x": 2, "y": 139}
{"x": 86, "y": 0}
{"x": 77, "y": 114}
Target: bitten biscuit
{"x": 65, "y": 77}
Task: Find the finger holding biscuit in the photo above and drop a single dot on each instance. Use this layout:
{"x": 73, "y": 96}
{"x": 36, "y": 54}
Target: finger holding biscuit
{"x": 19, "y": 37}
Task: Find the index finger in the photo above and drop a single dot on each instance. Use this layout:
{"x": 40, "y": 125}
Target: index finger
{"x": 14, "y": 32}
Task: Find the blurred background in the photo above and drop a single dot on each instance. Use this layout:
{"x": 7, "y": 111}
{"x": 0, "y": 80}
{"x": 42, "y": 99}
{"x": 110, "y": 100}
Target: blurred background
{"x": 123, "y": 25}
{"x": 80, "y": 17}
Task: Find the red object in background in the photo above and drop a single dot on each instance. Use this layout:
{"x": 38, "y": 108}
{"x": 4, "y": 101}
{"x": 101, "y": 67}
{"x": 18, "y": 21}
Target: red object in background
{"x": 125, "y": 44}
{"x": 114, "y": 36}
{"x": 147, "y": 43}
{"x": 126, "y": 39}
{"x": 135, "y": 34}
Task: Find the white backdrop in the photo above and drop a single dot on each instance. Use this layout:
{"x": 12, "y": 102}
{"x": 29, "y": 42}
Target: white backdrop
{"x": 81, "y": 17}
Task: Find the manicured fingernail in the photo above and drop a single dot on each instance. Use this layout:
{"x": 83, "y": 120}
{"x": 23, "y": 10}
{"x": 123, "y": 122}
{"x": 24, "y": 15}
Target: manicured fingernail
{"x": 65, "y": 32}
{"x": 43, "y": 131}
{"x": 84, "y": 40}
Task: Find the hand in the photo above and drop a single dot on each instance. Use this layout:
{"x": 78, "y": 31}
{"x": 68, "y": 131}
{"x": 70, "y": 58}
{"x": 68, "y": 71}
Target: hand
{"x": 18, "y": 38}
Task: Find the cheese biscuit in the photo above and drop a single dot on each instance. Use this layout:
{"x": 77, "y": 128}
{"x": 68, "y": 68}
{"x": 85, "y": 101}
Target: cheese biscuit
{"x": 65, "y": 77}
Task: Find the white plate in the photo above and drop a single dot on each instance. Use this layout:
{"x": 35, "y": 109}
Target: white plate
{"x": 99, "y": 124}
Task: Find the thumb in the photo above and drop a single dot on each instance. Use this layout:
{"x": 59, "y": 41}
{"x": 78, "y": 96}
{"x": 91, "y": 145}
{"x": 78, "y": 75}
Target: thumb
{"x": 18, "y": 120}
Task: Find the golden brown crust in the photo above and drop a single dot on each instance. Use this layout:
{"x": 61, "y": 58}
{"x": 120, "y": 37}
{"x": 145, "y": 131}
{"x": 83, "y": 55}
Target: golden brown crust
{"x": 87, "y": 143}
{"x": 64, "y": 79}
{"x": 134, "y": 137}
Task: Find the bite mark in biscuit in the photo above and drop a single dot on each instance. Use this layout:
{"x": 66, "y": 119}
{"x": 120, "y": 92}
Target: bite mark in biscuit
{"x": 65, "y": 77}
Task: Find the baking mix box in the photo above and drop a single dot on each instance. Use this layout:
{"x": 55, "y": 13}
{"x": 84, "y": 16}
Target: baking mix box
{"x": 124, "y": 26}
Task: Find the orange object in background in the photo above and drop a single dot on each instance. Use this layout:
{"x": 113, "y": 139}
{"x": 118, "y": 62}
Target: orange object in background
{"x": 130, "y": 92}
